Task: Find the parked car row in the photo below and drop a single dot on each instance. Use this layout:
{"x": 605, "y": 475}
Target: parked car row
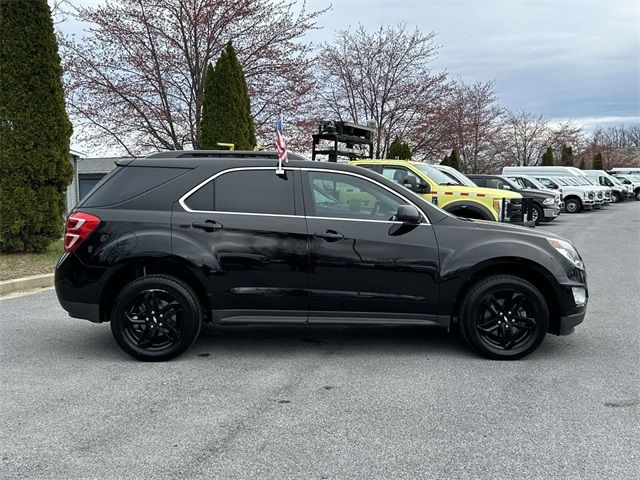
{"x": 579, "y": 189}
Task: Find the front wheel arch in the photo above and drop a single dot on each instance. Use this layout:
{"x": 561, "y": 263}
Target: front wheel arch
{"x": 469, "y": 210}
{"x": 528, "y": 271}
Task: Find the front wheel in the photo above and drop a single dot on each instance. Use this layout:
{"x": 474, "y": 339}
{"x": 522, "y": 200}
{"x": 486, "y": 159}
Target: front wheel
{"x": 156, "y": 318}
{"x": 615, "y": 197}
{"x": 503, "y": 317}
{"x": 572, "y": 205}
{"x": 537, "y": 214}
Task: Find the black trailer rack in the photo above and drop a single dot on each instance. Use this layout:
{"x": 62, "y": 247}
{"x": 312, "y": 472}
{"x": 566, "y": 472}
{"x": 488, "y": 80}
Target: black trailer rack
{"x": 344, "y": 137}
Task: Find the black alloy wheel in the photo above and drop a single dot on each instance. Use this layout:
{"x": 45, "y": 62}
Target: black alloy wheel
{"x": 156, "y": 318}
{"x": 504, "y": 317}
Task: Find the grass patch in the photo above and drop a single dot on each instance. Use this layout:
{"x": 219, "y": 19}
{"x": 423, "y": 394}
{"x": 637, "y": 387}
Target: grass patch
{"x": 16, "y": 265}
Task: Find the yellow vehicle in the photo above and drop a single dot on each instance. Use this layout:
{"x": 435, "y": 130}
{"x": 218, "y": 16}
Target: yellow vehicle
{"x": 450, "y": 191}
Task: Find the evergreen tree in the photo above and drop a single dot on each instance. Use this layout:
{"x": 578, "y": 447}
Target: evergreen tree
{"x": 399, "y": 150}
{"x": 454, "y": 159}
{"x": 582, "y": 164}
{"x": 547, "y": 158}
{"x": 445, "y": 160}
{"x": 567, "y": 156}
{"x": 35, "y": 169}
{"x": 598, "y": 163}
{"x": 226, "y": 108}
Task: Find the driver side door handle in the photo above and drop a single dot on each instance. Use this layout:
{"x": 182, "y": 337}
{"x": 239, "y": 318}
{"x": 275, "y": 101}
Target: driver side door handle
{"x": 329, "y": 235}
{"x": 207, "y": 226}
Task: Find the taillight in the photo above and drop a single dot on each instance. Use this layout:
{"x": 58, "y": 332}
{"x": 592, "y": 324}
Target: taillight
{"x": 79, "y": 226}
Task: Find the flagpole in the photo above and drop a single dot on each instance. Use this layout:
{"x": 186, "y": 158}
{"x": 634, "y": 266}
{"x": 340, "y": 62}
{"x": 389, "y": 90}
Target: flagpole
{"x": 280, "y": 170}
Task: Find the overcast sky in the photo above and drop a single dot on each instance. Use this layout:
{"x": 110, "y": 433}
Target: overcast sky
{"x": 563, "y": 58}
{"x": 576, "y": 59}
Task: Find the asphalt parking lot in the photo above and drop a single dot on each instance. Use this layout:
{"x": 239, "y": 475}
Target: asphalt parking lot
{"x": 329, "y": 402}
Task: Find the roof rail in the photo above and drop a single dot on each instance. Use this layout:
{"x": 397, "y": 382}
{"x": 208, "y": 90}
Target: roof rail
{"x": 222, "y": 154}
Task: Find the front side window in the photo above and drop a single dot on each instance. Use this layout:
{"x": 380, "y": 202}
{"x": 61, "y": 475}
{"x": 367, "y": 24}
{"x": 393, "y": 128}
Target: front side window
{"x": 336, "y": 195}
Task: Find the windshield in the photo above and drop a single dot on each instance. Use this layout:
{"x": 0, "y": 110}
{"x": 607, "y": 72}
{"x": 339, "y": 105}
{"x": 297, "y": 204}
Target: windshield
{"x": 579, "y": 180}
{"x": 614, "y": 180}
{"x": 438, "y": 176}
{"x": 563, "y": 181}
{"x": 534, "y": 182}
{"x": 511, "y": 183}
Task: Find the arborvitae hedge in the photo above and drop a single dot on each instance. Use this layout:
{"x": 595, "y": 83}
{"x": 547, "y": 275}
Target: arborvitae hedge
{"x": 547, "y": 158}
{"x": 598, "y": 163}
{"x": 34, "y": 129}
{"x": 445, "y": 160}
{"x": 567, "y": 156}
{"x": 226, "y": 108}
{"x": 582, "y": 164}
{"x": 454, "y": 159}
{"x": 399, "y": 150}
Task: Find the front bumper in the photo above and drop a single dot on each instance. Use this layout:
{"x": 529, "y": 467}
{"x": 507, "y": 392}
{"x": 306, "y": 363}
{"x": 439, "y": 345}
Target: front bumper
{"x": 551, "y": 212}
{"x": 568, "y": 323}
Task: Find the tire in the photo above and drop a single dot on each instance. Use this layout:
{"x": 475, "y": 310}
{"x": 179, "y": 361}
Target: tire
{"x": 489, "y": 324}
{"x": 142, "y": 329}
{"x": 615, "y": 197}
{"x": 638, "y": 195}
{"x": 537, "y": 215}
{"x": 572, "y": 205}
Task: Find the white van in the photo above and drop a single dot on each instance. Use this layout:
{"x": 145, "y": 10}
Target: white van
{"x": 615, "y": 184}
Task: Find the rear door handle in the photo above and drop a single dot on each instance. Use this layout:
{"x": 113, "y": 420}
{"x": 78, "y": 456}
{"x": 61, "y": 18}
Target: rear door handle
{"x": 207, "y": 226}
{"x": 329, "y": 235}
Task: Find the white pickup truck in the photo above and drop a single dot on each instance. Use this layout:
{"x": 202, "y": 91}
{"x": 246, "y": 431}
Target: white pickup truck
{"x": 575, "y": 197}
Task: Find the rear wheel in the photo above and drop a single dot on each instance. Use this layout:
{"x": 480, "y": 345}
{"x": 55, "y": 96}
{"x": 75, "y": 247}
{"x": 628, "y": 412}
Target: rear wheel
{"x": 503, "y": 317}
{"x": 572, "y": 205}
{"x": 156, "y": 318}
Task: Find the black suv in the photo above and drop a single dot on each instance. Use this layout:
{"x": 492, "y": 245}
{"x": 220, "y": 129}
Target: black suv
{"x": 545, "y": 206}
{"x": 166, "y": 242}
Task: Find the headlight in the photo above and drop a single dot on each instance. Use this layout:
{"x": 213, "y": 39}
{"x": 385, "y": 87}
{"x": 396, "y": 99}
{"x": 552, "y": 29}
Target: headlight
{"x": 567, "y": 250}
{"x": 549, "y": 201}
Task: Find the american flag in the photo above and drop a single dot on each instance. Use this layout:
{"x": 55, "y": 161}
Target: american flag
{"x": 281, "y": 146}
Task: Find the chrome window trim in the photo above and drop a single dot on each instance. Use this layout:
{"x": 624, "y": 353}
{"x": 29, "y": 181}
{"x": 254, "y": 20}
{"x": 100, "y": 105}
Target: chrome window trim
{"x": 186, "y": 208}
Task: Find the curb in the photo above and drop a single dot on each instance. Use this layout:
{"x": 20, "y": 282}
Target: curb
{"x": 26, "y": 283}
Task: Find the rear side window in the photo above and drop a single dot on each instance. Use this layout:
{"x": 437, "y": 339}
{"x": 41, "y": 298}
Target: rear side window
{"x": 246, "y": 191}
{"x": 129, "y": 182}
{"x": 254, "y": 191}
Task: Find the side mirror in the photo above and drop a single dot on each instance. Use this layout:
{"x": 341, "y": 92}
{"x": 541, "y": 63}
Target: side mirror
{"x": 408, "y": 214}
{"x": 422, "y": 187}
{"x": 505, "y": 187}
{"x": 410, "y": 182}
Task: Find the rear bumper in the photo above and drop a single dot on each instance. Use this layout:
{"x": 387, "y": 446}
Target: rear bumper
{"x": 84, "y": 311}
{"x": 79, "y": 287}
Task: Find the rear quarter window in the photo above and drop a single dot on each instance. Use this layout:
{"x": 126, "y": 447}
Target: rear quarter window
{"x": 129, "y": 182}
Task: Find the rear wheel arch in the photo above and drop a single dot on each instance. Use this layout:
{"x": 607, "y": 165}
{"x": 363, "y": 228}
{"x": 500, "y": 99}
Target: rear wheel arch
{"x": 141, "y": 267}
{"x": 531, "y": 272}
